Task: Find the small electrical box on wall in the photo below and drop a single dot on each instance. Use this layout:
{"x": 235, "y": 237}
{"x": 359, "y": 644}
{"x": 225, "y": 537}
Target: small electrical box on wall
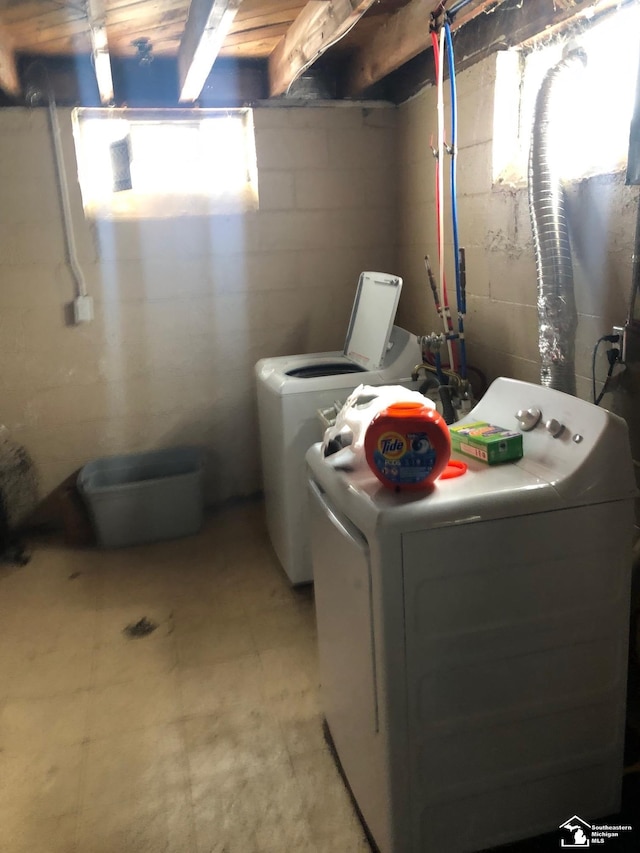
{"x": 83, "y": 309}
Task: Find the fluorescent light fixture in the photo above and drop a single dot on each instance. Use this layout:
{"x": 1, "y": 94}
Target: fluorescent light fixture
{"x": 100, "y": 49}
{"x": 202, "y": 42}
{"x": 102, "y": 65}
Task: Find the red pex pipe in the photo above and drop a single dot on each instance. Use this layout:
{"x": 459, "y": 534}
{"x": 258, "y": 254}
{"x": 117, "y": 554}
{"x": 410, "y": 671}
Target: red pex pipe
{"x": 446, "y": 312}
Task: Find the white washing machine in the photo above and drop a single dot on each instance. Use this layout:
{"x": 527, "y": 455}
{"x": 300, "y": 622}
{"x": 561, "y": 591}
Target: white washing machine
{"x": 291, "y": 389}
{"x": 473, "y": 641}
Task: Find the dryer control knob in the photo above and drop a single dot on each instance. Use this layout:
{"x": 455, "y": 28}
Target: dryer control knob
{"x": 554, "y": 427}
{"x": 528, "y": 418}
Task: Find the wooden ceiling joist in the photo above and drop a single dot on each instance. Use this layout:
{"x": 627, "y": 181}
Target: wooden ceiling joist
{"x": 404, "y": 35}
{"x": 320, "y": 24}
{"x": 9, "y": 81}
{"x": 390, "y": 38}
{"x": 208, "y": 24}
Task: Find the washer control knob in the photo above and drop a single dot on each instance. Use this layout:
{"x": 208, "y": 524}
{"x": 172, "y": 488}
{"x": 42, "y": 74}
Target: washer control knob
{"x": 528, "y": 418}
{"x": 554, "y": 427}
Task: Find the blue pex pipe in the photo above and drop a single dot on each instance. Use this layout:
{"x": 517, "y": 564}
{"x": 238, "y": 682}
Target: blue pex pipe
{"x": 453, "y": 11}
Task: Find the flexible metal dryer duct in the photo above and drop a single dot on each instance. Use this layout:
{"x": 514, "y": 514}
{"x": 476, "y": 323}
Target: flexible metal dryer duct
{"x": 557, "y": 315}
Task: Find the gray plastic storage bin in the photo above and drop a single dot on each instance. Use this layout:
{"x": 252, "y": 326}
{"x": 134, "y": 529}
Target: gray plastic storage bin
{"x": 144, "y": 497}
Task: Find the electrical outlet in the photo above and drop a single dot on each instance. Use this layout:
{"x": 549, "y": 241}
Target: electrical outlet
{"x": 621, "y": 331}
{"x": 83, "y": 309}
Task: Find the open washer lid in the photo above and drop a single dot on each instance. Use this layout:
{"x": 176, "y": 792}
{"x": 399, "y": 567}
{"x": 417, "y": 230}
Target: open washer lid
{"x": 372, "y": 316}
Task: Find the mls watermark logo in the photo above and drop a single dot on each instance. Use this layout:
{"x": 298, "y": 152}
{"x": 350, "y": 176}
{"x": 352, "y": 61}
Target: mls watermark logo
{"x": 575, "y": 833}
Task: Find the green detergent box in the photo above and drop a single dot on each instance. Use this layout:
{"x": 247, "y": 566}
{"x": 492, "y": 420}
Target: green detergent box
{"x": 486, "y": 442}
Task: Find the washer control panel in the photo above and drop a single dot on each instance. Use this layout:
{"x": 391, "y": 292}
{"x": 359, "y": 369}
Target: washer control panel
{"x": 574, "y": 445}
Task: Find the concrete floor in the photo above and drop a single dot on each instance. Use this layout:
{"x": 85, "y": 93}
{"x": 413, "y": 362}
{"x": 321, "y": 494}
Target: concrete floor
{"x": 203, "y": 736}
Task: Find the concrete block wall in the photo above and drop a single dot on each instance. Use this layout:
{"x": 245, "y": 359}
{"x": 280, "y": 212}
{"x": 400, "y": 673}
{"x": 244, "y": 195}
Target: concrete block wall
{"x": 495, "y": 229}
{"x": 183, "y": 307}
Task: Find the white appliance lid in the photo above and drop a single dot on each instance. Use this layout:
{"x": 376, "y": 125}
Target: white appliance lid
{"x": 372, "y": 316}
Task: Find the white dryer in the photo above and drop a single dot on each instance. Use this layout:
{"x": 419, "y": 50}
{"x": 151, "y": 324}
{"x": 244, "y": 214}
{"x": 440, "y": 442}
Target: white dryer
{"x": 473, "y": 640}
{"x": 290, "y": 391}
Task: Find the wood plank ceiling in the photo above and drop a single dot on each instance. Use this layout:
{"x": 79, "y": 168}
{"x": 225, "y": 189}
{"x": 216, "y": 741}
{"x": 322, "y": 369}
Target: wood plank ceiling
{"x": 366, "y": 40}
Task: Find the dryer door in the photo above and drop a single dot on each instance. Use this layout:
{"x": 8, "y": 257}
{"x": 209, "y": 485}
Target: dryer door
{"x": 342, "y": 578}
{"x": 340, "y": 555}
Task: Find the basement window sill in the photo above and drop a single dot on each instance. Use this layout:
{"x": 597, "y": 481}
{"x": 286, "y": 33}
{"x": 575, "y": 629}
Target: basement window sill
{"x": 129, "y": 205}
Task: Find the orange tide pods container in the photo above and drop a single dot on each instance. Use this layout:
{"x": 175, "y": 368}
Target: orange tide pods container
{"x": 407, "y": 446}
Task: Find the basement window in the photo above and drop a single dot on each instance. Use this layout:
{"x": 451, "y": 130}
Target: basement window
{"x": 150, "y": 164}
{"x": 592, "y": 122}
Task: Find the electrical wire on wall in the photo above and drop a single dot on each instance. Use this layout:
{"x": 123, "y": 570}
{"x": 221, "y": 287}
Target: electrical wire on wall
{"x": 35, "y": 94}
{"x": 613, "y": 357}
